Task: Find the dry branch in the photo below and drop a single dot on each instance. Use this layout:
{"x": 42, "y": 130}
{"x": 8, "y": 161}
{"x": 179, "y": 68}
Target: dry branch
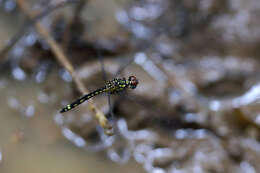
{"x": 63, "y": 60}
{"x": 29, "y": 23}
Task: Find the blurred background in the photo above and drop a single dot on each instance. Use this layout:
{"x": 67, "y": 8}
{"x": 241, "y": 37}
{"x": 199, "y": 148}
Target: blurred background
{"x": 196, "y": 108}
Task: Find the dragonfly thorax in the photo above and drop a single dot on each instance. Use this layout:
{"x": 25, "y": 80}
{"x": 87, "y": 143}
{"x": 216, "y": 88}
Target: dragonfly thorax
{"x": 117, "y": 85}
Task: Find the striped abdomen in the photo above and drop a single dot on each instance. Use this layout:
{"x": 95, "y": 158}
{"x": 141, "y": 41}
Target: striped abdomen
{"x": 82, "y": 99}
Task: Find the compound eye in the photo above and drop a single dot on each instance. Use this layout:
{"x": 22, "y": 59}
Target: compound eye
{"x": 133, "y": 82}
{"x": 132, "y": 86}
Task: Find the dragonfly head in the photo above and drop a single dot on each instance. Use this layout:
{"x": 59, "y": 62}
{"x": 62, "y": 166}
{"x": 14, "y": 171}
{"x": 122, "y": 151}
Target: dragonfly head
{"x": 133, "y": 82}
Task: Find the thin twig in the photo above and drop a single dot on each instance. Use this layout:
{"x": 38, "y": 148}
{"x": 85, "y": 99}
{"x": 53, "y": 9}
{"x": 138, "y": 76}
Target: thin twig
{"x": 63, "y": 60}
{"x": 75, "y": 19}
{"x": 29, "y": 23}
{"x": 101, "y": 60}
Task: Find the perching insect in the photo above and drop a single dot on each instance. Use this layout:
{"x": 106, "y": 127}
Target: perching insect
{"x": 112, "y": 87}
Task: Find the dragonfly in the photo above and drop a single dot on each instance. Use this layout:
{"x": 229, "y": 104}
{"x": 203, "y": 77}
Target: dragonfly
{"x": 114, "y": 86}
